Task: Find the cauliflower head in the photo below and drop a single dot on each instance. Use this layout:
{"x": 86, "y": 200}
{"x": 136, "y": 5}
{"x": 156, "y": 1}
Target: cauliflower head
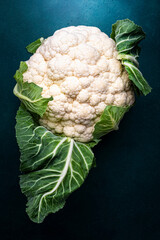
{"x": 78, "y": 67}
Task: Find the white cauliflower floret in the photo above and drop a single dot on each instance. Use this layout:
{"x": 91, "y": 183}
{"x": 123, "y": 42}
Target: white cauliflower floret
{"x": 71, "y": 86}
{"x": 78, "y": 67}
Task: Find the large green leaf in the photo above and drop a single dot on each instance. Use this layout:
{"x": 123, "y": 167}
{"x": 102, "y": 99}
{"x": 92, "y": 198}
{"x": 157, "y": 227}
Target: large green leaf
{"x": 109, "y": 120}
{"x": 52, "y": 166}
{"x": 32, "y": 47}
{"x": 127, "y": 36}
{"x": 29, "y": 93}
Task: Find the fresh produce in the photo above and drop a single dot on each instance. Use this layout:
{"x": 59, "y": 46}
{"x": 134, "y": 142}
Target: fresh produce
{"x": 75, "y": 88}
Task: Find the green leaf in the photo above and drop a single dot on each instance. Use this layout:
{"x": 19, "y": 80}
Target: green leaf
{"x": 132, "y": 56}
{"x": 29, "y": 93}
{"x": 93, "y": 143}
{"x": 19, "y": 73}
{"x": 109, "y": 120}
{"x": 127, "y": 36}
{"x": 32, "y": 47}
{"x": 53, "y": 167}
{"x": 136, "y": 77}
{"x": 137, "y": 91}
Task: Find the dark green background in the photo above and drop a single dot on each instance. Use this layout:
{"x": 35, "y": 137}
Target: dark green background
{"x": 121, "y": 197}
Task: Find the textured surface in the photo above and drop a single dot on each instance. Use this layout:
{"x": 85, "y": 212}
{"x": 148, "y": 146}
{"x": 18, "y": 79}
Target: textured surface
{"x": 120, "y": 199}
{"x": 78, "y": 67}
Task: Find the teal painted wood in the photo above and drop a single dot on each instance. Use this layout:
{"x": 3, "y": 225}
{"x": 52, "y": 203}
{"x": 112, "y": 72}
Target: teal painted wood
{"x": 120, "y": 199}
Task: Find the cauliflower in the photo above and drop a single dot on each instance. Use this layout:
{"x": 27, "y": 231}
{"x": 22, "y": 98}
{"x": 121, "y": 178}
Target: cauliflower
{"x": 78, "y": 67}
{"x": 74, "y": 89}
